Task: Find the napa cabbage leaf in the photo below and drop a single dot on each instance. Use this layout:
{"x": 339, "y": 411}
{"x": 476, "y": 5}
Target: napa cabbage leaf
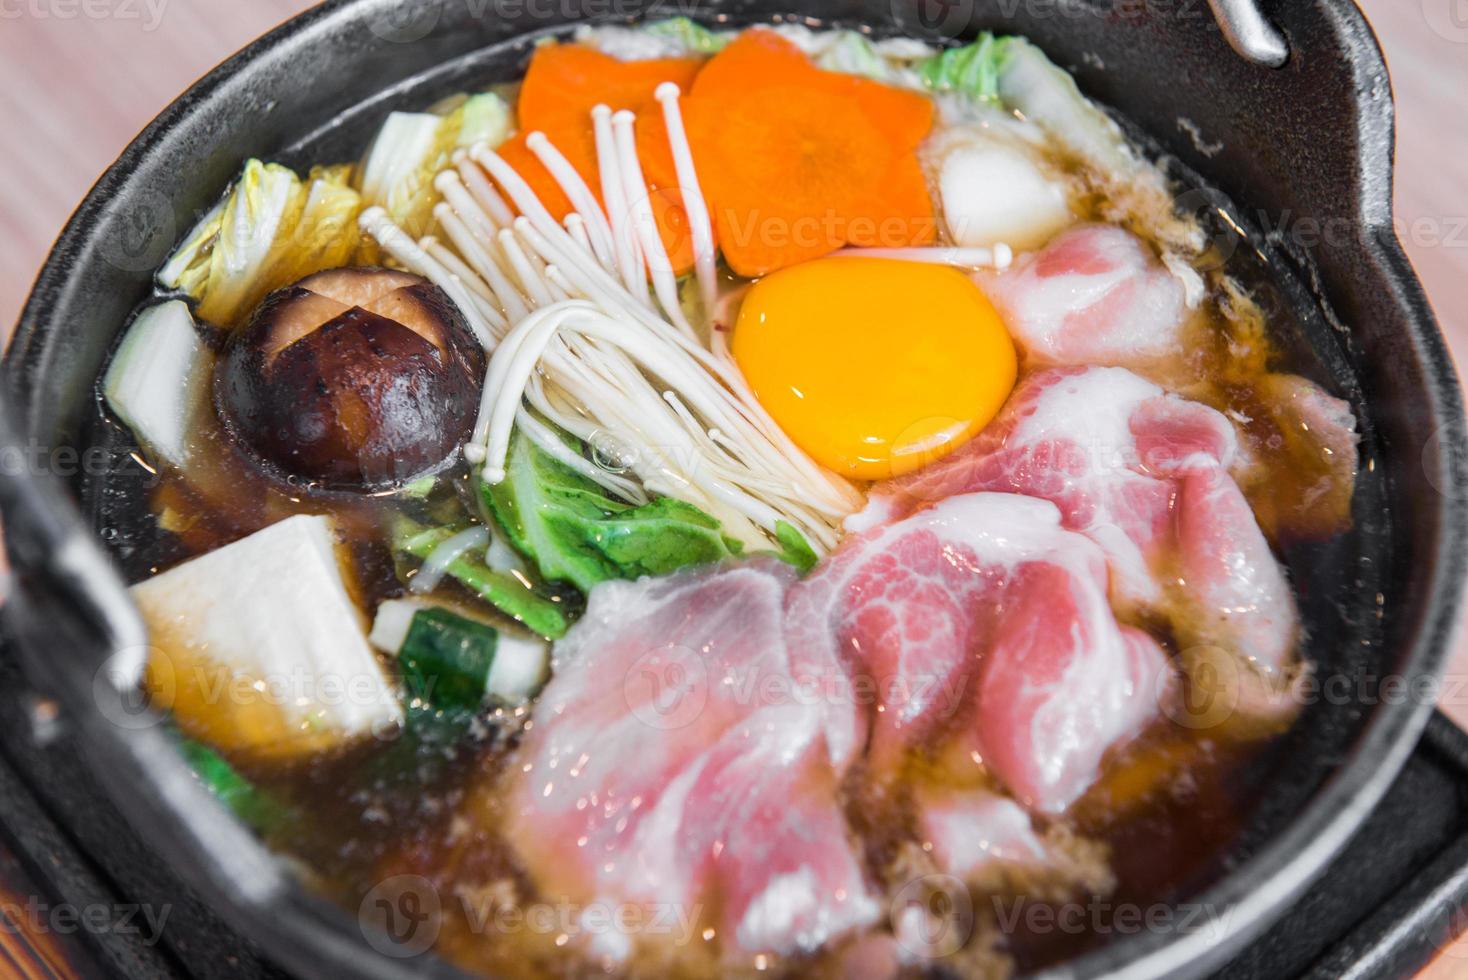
{"x": 690, "y": 36}
{"x": 271, "y": 229}
{"x": 574, "y": 532}
{"x": 971, "y": 70}
{"x": 412, "y": 147}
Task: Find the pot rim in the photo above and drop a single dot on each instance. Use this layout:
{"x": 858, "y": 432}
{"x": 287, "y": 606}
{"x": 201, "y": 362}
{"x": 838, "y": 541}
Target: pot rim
{"x": 1253, "y": 893}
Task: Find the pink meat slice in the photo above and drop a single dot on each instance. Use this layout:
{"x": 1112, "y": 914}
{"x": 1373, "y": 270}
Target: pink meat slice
{"x": 1306, "y": 404}
{"x": 989, "y": 842}
{"x": 1173, "y": 435}
{"x": 970, "y": 829}
{"x": 1094, "y": 295}
{"x": 1240, "y": 598}
{"x": 906, "y": 624}
{"x": 670, "y": 735}
{"x": 765, "y": 823}
{"x": 1319, "y": 436}
{"x": 981, "y": 626}
{"x": 1062, "y": 684}
{"x": 1099, "y": 443}
{"x": 1142, "y": 473}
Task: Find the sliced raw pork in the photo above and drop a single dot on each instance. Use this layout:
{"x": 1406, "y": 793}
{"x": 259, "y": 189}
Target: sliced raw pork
{"x": 1094, "y": 295}
{"x": 989, "y": 841}
{"x": 672, "y": 761}
{"x": 983, "y": 629}
{"x": 1317, "y": 434}
{"x": 1144, "y": 474}
{"x": 970, "y": 830}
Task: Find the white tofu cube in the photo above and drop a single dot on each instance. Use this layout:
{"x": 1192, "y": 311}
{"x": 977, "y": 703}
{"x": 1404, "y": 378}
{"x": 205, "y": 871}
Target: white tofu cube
{"x": 258, "y": 648}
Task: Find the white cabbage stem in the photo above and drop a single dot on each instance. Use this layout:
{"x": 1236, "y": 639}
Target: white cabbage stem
{"x": 451, "y": 550}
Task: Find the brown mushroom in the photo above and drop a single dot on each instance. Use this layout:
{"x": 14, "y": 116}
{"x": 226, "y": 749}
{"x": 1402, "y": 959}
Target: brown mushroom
{"x": 353, "y": 379}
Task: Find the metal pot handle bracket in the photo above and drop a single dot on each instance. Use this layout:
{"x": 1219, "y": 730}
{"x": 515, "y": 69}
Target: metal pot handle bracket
{"x": 65, "y": 596}
{"x": 1249, "y": 33}
{"x": 83, "y": 642}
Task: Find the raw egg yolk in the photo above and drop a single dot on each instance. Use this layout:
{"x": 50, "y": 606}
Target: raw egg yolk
{"x": 874, "y": 367}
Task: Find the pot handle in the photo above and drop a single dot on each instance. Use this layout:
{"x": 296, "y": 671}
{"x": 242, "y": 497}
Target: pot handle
{"x": 1249, "y": 33}
{"x": 64, "y": 595}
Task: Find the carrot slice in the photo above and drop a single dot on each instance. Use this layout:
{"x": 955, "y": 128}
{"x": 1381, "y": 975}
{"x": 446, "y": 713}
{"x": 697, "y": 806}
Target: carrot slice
{"x": 562, "y": 85}
{"x": 797, "y": 161}
{"x": 565, "y": 81}
{"x": 901, "y": 215}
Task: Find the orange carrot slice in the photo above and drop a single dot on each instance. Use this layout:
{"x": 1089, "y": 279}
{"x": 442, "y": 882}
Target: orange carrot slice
{"x": 796, "y": 161}
{"x": 565, "y": 81}
{"x": 561, "y": 87}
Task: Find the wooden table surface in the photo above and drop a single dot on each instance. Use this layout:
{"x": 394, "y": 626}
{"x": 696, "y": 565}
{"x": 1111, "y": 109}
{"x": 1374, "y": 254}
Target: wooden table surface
{"x": 79, "y": 78}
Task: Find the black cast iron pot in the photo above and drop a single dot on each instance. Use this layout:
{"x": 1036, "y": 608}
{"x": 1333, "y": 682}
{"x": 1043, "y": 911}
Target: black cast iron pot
{"x": 1303, "y": 152}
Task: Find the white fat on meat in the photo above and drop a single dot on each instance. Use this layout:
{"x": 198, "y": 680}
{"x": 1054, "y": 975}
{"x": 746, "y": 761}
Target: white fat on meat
{"x": 1095, "y": 295}
{"x": 971, "y": 830}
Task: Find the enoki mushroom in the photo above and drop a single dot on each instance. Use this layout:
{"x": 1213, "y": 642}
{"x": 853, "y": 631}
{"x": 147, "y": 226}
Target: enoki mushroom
{"x": 579, "y": 340}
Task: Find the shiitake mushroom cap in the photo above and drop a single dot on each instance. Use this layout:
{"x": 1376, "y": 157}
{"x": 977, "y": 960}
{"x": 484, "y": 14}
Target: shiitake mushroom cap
{"x": 352, "y": 379}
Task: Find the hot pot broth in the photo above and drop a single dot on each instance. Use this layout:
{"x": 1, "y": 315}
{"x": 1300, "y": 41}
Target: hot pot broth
{"x": 437, "y": 786}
